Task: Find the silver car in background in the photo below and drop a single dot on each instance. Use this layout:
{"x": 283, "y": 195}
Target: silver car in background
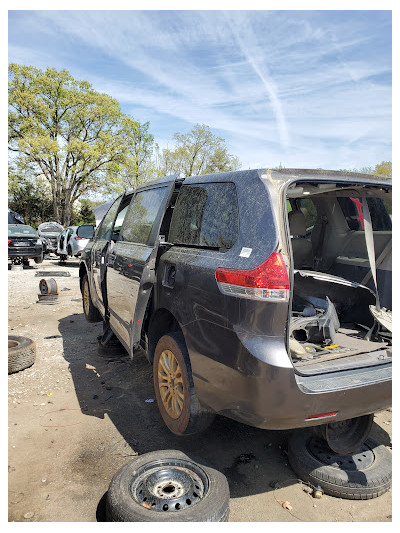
{"x": 73, "y": 240}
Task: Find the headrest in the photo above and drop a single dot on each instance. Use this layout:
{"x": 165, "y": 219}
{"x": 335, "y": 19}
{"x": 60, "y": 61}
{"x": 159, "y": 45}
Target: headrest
{"x": 297, "y": 224}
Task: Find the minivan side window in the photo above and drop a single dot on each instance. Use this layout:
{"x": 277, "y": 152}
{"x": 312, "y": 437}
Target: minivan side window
{"x": 141, "y": 215}
{"x": 106, "y": 225}
{"x": 307, "y": 206}
{"x": 352, "y": 210}
{"x": 206, "y": 215}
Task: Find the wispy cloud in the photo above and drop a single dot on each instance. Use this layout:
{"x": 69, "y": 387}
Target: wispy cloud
{"x": 282, "y": 86}
{"x": 245, "y": 40}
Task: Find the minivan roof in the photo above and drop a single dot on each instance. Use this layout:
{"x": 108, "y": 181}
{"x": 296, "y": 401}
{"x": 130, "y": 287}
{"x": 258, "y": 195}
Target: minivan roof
{"x": 299, "y": 173}
{"x": 280, "y": 174}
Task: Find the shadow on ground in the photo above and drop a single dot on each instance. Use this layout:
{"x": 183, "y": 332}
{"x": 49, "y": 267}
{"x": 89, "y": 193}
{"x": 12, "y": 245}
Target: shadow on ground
{"x": 107, "y": 381}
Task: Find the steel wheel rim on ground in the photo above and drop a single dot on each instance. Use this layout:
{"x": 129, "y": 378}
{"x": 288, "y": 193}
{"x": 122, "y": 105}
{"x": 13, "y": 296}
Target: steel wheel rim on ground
{"x": 142, "y": 489}
{"x": 319, "y": 449}
{"x": 48, "y": 286}
{"x": 170, "y": 384}
{"x": 169, "y": 485}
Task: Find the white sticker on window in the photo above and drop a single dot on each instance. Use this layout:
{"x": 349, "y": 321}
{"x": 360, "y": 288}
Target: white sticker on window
{"x": 246, "y": 252}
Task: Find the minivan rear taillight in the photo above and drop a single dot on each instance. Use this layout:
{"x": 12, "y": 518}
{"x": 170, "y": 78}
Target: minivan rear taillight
{"x": 268, "y": 281}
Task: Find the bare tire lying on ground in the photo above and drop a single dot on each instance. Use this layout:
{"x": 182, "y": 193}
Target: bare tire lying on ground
{"x": 21, "y": 353}
{"x": 167, "y": 486}
{"x": 363, "y": 475}
{"x": 174, "y": 388}
{"x": 92, "y": 314}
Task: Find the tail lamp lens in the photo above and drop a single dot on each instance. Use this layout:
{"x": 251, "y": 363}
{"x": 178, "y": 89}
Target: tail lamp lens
{"x": 9, "y": 240}
{"x": 322, "y": 415}
{"x": 268, "y": 281}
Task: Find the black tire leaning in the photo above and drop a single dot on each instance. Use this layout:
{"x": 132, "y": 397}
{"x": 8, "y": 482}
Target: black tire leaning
{"x": 21, "y": 353}
{"x": 92, "y": 314}
{"x": 39, "y": 259}
{"x": 361, "y": 484}
{"x": 122, "y": 507}
{"x": 194, "y": 417}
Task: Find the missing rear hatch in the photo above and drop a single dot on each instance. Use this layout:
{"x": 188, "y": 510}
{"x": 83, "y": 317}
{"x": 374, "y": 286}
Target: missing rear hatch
{"x": 341, "y": 303}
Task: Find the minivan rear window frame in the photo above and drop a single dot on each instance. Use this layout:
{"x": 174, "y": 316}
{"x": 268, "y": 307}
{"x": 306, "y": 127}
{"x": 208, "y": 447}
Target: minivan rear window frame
{"x": 205, "y": 246}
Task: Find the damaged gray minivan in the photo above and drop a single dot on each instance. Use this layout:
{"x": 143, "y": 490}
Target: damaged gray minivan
{"x": 261, "y": 295}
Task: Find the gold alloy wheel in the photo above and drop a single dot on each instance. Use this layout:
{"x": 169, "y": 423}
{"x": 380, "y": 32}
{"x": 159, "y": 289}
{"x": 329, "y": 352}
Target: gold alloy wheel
{"x": 170, "y": 384}
{"x": 86, "y": 296}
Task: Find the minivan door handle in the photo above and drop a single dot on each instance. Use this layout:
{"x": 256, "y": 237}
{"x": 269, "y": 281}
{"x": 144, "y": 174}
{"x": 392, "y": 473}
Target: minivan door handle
{"x": 169, "y": 276}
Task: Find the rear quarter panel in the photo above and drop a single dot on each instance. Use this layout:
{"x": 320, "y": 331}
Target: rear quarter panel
{"x": 214, "y": 323}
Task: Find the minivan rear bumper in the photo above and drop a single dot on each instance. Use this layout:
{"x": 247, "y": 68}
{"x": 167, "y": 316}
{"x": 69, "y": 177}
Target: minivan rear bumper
{"x": 263, "y": 390}
{"x": 298, "y": 408}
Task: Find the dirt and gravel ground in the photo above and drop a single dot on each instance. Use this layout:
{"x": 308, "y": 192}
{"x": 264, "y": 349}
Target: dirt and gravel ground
{"x": 78, "y": 414}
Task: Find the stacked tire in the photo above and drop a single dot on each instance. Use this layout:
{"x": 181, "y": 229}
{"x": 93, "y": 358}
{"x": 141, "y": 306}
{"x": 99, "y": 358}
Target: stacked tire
{"x": 363, "y": 475}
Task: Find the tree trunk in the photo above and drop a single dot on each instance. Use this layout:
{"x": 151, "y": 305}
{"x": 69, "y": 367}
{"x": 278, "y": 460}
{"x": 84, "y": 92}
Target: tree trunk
{"x": 67, "y": 209}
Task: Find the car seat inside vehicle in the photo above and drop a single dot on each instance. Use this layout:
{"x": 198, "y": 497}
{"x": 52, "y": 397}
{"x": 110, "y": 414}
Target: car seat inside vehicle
{"x": 302, "y": 247}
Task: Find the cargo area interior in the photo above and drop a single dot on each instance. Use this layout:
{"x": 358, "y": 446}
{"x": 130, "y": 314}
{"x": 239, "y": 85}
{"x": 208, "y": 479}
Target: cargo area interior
{"x": 336, "y": 320}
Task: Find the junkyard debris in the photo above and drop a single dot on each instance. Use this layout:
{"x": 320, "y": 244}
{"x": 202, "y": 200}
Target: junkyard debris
{"x": 285, "y": 504}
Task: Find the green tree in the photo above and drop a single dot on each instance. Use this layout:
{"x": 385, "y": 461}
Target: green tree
{"x": 384, "y": 169}
{"x": 29, "y": 198}
{"x": 197, "y": 152}
{"x": 74, "y": 136}
{"x": 139, "y": 166}
{"x": 85, "y": 214}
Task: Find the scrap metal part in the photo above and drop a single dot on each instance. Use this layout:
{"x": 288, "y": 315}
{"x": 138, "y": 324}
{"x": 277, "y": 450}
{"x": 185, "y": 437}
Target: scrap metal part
{"x": 383, "y": 316}
{"x": 321, "y": 327}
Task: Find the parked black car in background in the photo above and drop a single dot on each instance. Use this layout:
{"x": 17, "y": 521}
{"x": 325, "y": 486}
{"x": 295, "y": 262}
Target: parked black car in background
{"x": 24, "y": 243}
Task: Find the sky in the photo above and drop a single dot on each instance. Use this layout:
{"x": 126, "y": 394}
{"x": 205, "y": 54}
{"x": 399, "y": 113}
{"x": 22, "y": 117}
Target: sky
{"x": 303, "y": 89}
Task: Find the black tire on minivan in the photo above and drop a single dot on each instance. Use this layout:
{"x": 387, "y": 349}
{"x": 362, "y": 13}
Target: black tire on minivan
{"x": 92, "y": 314}
{"x": 174, "y": 388}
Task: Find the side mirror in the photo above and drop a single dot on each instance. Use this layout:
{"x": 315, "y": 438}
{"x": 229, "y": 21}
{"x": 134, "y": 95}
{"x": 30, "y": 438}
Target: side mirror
{"x": 86, "y": 231}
